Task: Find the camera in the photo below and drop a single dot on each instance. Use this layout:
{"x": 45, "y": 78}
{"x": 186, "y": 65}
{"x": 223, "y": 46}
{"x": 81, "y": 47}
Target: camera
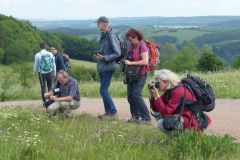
{"x": 48, "y": 102}
{"x": 153, "y": 84}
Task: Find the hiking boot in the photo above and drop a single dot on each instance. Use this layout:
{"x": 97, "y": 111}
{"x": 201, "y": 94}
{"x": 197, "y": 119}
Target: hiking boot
{"x": 113, "y": 115}
{"x": 143, "y": 122}
{"x": 103, "y": 115}
{"x": 133, "y": 120}
{"x": 108, "y": 116}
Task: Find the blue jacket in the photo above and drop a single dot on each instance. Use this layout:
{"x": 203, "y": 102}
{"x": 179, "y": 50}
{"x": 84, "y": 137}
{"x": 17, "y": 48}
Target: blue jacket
{"x": 110, "y": 51}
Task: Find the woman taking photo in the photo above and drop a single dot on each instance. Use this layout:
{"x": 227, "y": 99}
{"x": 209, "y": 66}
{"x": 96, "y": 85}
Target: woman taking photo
{"x": 136, "y": 63}
{"x": 173, "y": 97}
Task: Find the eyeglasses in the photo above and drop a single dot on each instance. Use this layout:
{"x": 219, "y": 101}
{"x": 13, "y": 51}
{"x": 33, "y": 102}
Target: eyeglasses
{"x": 52, "y": 49}
{"x": 130, "y": 39}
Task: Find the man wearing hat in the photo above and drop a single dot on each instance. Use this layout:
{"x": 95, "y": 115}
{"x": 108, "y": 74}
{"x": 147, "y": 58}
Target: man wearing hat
{"x": 109, "y": 50}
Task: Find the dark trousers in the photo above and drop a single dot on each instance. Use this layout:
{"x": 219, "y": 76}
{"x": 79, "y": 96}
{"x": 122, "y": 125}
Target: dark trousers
{"x": 43, "y": 79}
{"x": 138, "y": 107}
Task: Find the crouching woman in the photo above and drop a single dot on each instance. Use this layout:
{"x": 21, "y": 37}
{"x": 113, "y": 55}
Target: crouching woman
{"x": 170, "y": 109}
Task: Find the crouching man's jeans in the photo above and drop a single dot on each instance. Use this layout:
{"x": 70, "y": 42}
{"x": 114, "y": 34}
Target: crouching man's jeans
{"x": 63, "y": 107}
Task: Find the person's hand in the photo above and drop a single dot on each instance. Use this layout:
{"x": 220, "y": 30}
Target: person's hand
{"x": 54, "y": 98}
{"x": 127, "y": 62}
{"x": 154, "y": 93}
{"x": 99, "y": 56}
{"x": 46, "y": 95}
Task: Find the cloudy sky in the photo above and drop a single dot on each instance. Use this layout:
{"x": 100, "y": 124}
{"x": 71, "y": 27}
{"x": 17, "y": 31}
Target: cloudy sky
{"x": 91, "y": 9}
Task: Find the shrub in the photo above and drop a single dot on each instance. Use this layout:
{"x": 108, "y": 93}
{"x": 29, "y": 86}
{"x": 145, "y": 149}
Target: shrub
{"x": 236, "y": 63}
{"x": 82, "y": 73}
{"x": 210, "y": 62}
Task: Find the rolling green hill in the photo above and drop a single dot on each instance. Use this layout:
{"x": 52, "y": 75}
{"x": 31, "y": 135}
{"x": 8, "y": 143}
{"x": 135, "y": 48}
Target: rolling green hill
{"x": 137, "y": 21}
{"x": 19, "y": 42}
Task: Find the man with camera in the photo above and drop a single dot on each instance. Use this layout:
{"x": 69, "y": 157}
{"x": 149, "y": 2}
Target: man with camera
{"x": 65, "y": 96}
{"x": 109, "y": 51}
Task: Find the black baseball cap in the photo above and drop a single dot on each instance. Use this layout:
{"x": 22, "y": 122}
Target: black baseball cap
{"x": 102, "y": 19}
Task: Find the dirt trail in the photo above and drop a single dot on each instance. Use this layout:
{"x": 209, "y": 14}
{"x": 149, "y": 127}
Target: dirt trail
{"x": 226, "y": 116}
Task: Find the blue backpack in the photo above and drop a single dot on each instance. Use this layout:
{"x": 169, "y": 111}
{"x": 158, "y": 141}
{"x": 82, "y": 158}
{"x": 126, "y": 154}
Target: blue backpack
{"x": 46, "y": 63}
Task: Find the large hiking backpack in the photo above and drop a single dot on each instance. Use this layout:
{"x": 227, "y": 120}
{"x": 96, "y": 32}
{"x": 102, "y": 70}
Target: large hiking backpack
{"x": 66, "y": 61}
{"x": 205, "y": 96}
{"x": 123, "y": 47}
{"x": 46, "y": 63}
{"x": 202, "y": 91}
{"x": 153, "y": 55}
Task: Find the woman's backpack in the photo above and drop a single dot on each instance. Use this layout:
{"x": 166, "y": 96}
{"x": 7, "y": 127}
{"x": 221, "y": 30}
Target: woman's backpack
{"x": 205, "y": 96}
{"x": 153, "y": 55}
{"x": 202, "y": 91}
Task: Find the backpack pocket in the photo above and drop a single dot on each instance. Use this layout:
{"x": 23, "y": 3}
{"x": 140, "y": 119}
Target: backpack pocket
{"x": 171, "y": 123}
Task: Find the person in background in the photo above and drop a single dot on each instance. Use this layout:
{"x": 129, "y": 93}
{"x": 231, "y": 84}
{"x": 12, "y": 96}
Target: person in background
{"x": 106, "y": 65}
{"x": 58, "y": 59}
{"x": 44, "y": 65}
{"x": 137, "y": 56}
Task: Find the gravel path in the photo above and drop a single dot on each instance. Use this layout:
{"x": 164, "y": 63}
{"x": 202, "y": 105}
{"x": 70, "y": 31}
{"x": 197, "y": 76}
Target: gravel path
{"x": 226, "y": 116}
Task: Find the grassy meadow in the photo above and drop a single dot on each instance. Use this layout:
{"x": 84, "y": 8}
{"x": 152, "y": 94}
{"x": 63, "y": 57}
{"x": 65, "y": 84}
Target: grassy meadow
{"x": 225, "y": 83}
{"x": 31, "y": 134}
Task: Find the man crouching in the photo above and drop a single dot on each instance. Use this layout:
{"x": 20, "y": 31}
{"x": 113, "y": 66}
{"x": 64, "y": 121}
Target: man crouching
{"x": 65, "y": 96}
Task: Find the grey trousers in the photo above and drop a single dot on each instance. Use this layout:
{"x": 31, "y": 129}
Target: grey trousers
{"x": 159, "y": 120}
{"x": 63, "y": 107}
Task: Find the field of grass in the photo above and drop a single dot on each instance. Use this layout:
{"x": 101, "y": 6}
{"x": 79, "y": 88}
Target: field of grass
{"x": 30, "y": 134}
{"x": 83, "y": 63}
{"x": 181, "y": 34}
{"x": 225, "y": 84}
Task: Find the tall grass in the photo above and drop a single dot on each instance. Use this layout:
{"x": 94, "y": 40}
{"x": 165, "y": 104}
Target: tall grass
{"x": 31, "y": 134}
{"x": 225, "y": 84}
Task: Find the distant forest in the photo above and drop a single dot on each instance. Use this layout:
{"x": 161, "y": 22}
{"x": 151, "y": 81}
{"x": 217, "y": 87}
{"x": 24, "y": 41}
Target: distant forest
{"x": 19, "y": 39}
{"x": 19, "y": 42}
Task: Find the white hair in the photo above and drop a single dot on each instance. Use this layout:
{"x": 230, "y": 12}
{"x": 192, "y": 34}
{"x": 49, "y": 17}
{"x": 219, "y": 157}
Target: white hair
{"x": 168, "y": 76}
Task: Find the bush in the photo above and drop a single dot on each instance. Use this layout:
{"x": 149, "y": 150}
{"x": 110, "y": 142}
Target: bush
{"x": 236, "y": 63}
{"x": 82, "y": 73}
{"x": 210, "y": 62}
{"x": 24, "y": 71}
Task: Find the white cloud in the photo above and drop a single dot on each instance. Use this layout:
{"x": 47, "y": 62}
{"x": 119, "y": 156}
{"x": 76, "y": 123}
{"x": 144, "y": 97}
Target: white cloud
{"x": 85, "y": 9}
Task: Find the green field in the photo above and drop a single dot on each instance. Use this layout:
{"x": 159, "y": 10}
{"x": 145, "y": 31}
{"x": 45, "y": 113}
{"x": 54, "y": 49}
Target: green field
{"x": 83, "y": 63}
{"x": 27, "y": 134}
{"x": 223, "y": 82}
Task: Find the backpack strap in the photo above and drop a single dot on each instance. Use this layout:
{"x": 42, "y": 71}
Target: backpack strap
{"x": 183, "y": 100}
{"x": 109, "y": 39}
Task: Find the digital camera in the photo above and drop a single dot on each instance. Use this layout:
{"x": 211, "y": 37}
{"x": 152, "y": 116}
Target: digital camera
{"x": 48, "y": 102}
{"x": 153, "y": 84}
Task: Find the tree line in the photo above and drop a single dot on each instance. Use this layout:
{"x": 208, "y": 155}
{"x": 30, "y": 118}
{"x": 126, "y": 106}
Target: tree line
{"x": 19, "y": 42}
